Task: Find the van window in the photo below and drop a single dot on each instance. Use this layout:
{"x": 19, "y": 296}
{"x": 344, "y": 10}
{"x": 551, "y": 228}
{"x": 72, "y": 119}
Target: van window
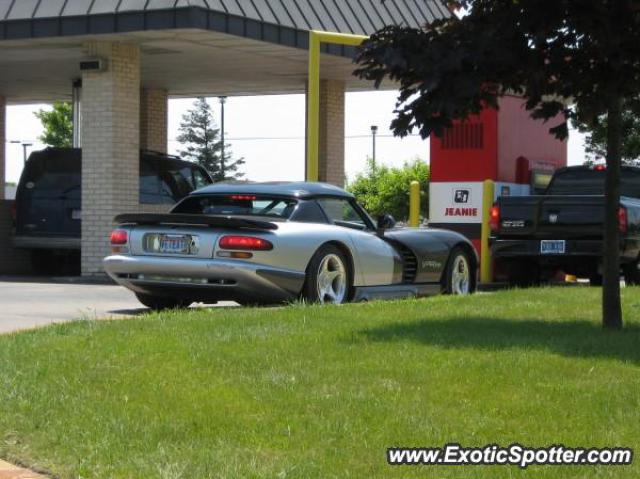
{"x": 149, "y": 182}
{"x": 57, "y": 174}
{"x": 200, "y": 180}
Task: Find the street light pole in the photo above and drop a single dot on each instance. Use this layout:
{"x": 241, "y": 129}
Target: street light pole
{"x": 374, "y": 132}
{"x": 24, "y": 151}
{"x": 223, "y": 100}
{"x": 24, "y": 148}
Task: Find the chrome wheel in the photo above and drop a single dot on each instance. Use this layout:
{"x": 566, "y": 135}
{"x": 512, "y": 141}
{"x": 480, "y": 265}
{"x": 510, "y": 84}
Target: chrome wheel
{"x": 332, "y": 280}
{"x": 460, "y": 275}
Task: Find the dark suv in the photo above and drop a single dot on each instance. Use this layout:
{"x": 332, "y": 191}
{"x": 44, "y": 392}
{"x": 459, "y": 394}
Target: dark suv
{"x": 48, "y": 205}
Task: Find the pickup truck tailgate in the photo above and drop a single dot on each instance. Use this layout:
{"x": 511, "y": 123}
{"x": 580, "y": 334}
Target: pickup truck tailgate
{"x": 551, "y": 216}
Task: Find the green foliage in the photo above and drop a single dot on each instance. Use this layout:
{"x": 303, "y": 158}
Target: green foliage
{"x": 382, "y": 189}
{"x": 58, "y": 125}
{"x": 596, "y": 140}
{"x": 544, "y": 51}
{"x": 322, "y": 391}
{"x": 200, "y": 136}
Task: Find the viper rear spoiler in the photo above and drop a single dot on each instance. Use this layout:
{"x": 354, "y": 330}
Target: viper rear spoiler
{"x": 193, "y": 220}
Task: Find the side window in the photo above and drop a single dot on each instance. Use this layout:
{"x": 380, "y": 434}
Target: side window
{"x": 149, "y": 182}
{"x": 200, "y": 179}
{"x": 342, "y": 213}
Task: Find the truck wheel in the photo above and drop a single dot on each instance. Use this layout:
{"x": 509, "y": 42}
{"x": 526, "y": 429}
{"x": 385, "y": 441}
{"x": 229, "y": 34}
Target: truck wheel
{"x": 595, "y": 279}
{"x": 158, "y": 303}
{"x": 632, "y": 274}
{"x": 44, "y": 262}
{"x": 328, "y": 277}
{"x": 459, "y": 279}
{"x": 523, "y": 274}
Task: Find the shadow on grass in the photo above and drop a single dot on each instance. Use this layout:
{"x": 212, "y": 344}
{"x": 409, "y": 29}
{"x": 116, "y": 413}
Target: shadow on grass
{"x": 568, "y": 338}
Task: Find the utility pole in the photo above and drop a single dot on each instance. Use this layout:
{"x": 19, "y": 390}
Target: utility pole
{"x": 223, "y": 100}
{"x": 374, "y": 132}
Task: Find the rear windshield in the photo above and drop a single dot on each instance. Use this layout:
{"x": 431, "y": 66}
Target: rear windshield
{"x": 591, "y": 182}
{"x": 240, "y": 205}
{"x": 59, "y": 174}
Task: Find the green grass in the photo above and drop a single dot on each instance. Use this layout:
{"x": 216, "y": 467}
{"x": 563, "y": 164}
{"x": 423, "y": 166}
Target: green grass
{"x": 309, "y": 392}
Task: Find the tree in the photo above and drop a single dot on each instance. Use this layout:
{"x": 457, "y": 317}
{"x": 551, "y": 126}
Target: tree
{"x": 596, "y": 140}
{"x": 58, "y": 125}
{"x": 554, "y": 53}
{"x": 201, "y": 138}
{"x": 386, "y": 190}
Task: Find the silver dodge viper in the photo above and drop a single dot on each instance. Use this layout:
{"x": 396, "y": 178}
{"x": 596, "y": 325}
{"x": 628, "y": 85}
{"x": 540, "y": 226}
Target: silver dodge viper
{"x": 263, "y": 243}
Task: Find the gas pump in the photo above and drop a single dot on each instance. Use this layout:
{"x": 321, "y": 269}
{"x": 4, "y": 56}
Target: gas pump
{"x": 506, "y": 146}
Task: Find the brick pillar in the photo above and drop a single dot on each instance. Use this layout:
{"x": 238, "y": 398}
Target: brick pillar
{"x": 110, "y": 147}
{"x": 153, "y": 119}
{"x": 331, "y": 154}
{"x": 3, "y": 144}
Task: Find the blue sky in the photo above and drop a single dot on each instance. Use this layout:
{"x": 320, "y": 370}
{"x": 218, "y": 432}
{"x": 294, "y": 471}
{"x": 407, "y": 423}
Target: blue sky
{"x": 268, "y": 131}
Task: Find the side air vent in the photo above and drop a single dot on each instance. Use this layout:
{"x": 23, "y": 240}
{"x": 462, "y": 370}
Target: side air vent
{"x": 464, "y": 136}
{"x": 410, "y": 264}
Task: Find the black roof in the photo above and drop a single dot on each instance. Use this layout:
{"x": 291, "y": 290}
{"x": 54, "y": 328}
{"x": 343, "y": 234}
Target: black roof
{"x": 279, "y": 21}
{"x": 300, "y": 189}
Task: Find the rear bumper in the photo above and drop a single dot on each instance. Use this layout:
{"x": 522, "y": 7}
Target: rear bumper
{"x": 531, "y": 248}
{"x": 46, "y": 242}
{"x": 204, "y": 279}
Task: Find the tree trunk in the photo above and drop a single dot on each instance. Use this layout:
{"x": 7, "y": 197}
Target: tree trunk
{"x": 611, "y": 307}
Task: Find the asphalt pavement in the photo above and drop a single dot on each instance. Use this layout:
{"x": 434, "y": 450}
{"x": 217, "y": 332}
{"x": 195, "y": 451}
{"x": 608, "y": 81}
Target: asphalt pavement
{"x": 26, "y": 303}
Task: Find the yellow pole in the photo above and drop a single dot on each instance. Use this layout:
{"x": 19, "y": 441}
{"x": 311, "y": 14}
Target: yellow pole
{"x": 316, "y": 38}
{"x": 313, "y": 108}
{"x": 486, "y": 275}
{"x": 414, "y": 204}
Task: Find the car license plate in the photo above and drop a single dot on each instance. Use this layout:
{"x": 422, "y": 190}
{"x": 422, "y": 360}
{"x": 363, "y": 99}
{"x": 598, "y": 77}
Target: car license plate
{"x": 76, "y": 214}
{"x": 552, "y": 246}
{"x": 171, "y": 244}
{"x": 175, "y": 244}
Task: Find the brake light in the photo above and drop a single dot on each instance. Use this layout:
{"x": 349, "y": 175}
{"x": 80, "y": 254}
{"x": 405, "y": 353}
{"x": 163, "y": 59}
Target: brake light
{"x": 119, "y": 240}
{"x": 494, "y": 218}
{"x": 600, "y": 167}
{"x": 243, "y": 197}
{"x": 245, "y": 243}
{"x": 623, "y": 223}
{"x": 119, "y": 237}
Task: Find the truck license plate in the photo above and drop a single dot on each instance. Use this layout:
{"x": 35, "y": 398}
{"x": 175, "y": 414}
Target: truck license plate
{"x": 552, "y": 246}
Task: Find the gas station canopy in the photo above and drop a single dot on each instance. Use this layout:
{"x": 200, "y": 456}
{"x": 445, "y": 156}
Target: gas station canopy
{"x": 190, "y": 47}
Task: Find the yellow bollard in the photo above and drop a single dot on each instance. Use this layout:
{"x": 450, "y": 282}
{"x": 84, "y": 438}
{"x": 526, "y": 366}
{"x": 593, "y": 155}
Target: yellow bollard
{"x": 486, "y": 273}
{"x": 414, "y": 204}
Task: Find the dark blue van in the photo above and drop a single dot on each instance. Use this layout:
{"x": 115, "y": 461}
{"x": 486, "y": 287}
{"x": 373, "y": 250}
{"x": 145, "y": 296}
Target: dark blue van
{"x": 48, "y": 207}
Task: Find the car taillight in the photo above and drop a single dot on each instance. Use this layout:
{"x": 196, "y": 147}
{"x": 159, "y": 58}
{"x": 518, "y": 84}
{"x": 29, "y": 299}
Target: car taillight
{"x": 623, "y": 222}
{"x": 245, "y": 243}
{"x": 119, "y": 240}
{"x": 119, "y": 237}
{"x": 494, "y": 218}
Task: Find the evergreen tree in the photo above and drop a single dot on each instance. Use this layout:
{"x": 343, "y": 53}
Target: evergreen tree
{"x": 200, "y": 137}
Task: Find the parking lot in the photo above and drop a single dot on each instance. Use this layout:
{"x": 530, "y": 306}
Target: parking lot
{"x": 31, "y": 302}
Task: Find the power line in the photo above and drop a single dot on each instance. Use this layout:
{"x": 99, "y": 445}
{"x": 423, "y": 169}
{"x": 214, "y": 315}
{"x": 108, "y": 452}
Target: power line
{"x": 284, "y": 138}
